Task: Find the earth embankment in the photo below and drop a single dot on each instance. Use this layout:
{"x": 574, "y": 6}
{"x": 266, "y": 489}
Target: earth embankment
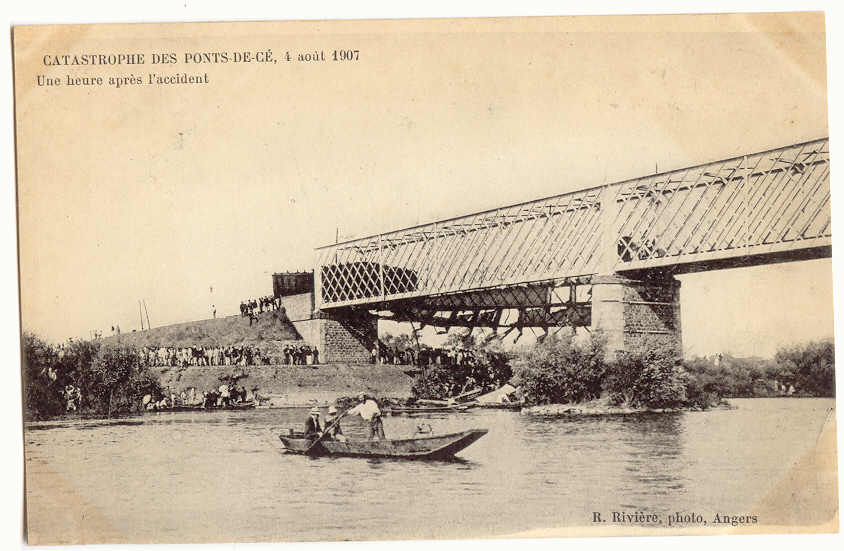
{"x": 294, "y": 385}
{"x": 270, "y": 332}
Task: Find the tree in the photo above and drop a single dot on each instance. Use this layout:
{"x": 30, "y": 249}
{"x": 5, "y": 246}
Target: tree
{"x": 436, "y": 383}
{"x": 117, "y": 381}
{"x": 484, "y": 366}
{"x": 108, "y": 379}
{"x": 811, "y": 365}
{"x": 41, "y": 383}
{"x": 706, "y": 383}
{"x": 560, "y": 371}
{"x": 75, "y": 360}
{"x": 649, "y": 376}
{"x": 400, "y": 342}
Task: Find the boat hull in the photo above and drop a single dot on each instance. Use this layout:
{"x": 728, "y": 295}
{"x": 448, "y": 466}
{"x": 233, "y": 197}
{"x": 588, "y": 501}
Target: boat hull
{"x": 427, "y": 447}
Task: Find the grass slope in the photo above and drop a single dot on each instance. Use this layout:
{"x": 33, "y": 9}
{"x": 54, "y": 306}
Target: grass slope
{"x": 271, "y": 327}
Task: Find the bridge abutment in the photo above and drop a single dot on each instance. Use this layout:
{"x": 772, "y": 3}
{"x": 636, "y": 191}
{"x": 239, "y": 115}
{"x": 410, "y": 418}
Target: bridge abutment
{"x": 633, "y": 313}
{"x": 347, "y": 336}
{"x": 340, "y": 336}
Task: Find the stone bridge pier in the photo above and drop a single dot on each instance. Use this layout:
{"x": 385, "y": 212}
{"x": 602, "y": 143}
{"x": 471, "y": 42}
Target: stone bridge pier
{"x": 635, "y": 313}
{"x": 347, "y": 336}
{"x": 344, "y": 335}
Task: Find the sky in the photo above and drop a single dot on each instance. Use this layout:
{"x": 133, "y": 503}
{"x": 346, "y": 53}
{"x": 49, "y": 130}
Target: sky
{"x": 188, "y": 196}
{"x": 754, "y": 311}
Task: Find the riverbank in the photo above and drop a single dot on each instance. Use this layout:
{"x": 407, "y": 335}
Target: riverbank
{"x": 295, "y": 385}
{"x": 602, "y": 406}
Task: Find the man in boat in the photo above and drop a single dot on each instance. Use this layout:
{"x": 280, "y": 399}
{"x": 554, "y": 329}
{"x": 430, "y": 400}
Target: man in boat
{"x": 313, "y": 429}
{"x": 370, "y": 412}
{"x": 332, "y": 425}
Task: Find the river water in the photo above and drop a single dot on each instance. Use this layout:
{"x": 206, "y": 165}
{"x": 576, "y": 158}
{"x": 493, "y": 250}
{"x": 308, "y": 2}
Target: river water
{"x": 221, "y": 476}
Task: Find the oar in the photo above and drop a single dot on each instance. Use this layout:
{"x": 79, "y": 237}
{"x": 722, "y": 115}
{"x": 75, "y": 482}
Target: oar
{"x": 325, "y": 432}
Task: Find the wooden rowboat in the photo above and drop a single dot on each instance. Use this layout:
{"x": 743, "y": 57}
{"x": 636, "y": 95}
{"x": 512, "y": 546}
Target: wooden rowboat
{"x": 441, "y": 446}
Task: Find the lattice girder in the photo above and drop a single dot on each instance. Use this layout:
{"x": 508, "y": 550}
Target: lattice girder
{"x": 766, "y": 202}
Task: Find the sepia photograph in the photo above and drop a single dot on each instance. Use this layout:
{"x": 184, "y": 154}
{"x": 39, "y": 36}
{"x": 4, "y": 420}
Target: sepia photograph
{"x": 446, "y": 278}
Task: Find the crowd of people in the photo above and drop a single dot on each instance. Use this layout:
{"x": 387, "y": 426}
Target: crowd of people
{"x": 227, "y": 395}
{"x": 241, "y": 355}
{"x": 425, "y": 356}
{"x": 302, "y": 354}
{"x": 197, "y": 355}
{"x": 251, "y": 307}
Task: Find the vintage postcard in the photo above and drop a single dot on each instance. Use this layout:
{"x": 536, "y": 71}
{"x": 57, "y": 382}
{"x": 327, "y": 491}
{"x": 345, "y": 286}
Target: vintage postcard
{"x": 425, "y": 279}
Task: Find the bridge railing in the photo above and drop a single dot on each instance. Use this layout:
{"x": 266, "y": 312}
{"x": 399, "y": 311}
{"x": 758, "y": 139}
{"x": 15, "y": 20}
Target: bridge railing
{"x": 774, "y": 200}
{"x": 519, "y": 243}
{"x": 743, "y": 205}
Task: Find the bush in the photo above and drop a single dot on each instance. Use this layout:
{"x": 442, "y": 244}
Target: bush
{"x": 651, "y": 377}
{"x": 706, "y": 384}
{"x": 487, "y": 368}
{"x": 117, "y": 381}
{"x": 436, "y": 383}
{"x": 561, "y": 371}
{"x": 558, "y": 370}
{"x": 811, "y": 367}
{"x": 42, "y": 385}
{"x": 491, "y": 368}
{"x": 97, "y": 379}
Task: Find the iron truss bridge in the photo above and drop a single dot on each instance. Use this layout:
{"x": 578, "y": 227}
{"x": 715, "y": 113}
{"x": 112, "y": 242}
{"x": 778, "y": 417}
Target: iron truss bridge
{"x": 538, "y": 258}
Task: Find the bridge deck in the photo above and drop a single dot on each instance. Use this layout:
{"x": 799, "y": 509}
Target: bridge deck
{"x": 768, "y": 205}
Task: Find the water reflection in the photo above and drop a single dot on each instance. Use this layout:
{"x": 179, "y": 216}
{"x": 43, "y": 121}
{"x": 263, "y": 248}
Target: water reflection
{"x": 655, "y": 457}
{"x": 82, "y": 424}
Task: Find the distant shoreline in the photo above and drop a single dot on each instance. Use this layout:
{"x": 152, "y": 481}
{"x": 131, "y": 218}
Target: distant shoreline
{"x": 547, "y": 410}
{"x": 602, "y": 408}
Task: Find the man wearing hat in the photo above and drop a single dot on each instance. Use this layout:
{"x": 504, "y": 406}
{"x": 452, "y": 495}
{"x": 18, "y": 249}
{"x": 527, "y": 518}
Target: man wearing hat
{"x": 312, "y": 426}
{"x": 370, "y": 412}
{"x": 332, "y": 425}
